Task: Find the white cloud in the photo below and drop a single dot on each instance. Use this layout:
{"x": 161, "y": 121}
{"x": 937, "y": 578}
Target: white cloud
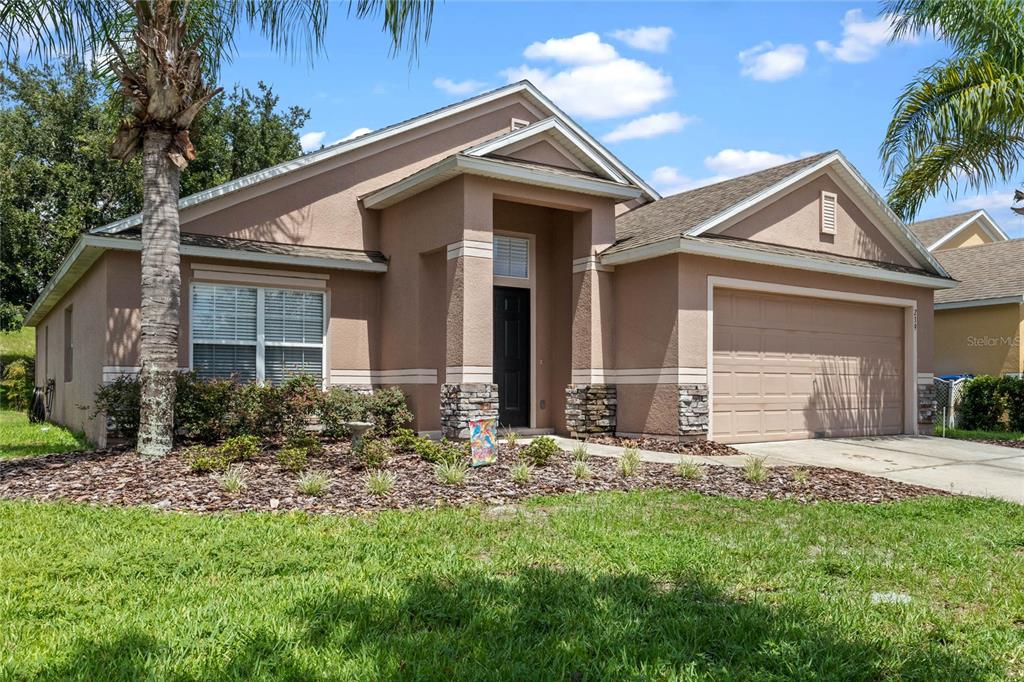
{"x": 312, "y": 140}
{"x": 726, "y": 164}
{"x": 358, "y": 132}
{"x": 733, "y": 162}
{"x": 649, "y": 126}
{"x": 765, "y": 62}
{"x": 466, "y": 87}
{"x": 862, "y": 38}
{"x": 649, "y": 38}
{"x": 585, "y": 48}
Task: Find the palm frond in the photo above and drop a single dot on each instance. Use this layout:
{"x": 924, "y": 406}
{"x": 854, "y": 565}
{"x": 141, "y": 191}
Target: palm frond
{"x": 407, "y": 22}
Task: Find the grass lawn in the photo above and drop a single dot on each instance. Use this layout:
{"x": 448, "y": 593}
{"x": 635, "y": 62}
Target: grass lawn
{"x": 17, "y": 344}
{"x": 964, "y": 434}
{"x": 614, "y": 586}
{"x": 19, "y": 438}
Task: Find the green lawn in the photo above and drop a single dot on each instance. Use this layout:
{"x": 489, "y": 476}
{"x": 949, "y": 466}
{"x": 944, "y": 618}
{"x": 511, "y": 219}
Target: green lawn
{"x": 964, "y": 434}
{"x": 614, "y": 586}
{"x": 19, "y": 438}
{"x": 17, "y": 344}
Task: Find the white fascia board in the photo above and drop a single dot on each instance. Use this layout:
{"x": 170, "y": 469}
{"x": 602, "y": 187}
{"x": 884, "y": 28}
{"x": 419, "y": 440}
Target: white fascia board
{"x": 880, "y": 208}
{"x": 475, "y": 165}
{"x": 326, "y": 153}
{"x": 683, "y": 245}
{"x": 981, "y": 302}
{"x": 90, "y": 247}
{"x": 987, "y": 224}
{"x": 539, "y": 128}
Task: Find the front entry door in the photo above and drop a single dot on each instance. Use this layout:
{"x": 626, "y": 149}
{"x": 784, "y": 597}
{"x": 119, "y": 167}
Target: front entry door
{"x": 512, "y": 355}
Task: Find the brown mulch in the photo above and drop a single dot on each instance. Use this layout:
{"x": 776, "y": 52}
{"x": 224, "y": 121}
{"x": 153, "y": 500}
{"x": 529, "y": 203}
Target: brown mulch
{"x": 1019, "y": 444}
{"x": 695, "y": 448}
{"x": 120, "y": 477}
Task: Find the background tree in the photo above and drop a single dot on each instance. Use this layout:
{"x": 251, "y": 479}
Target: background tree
{"x": 57, "y": 179}
{"x": 960, "y": 123}
{"x": 166, "y": 55}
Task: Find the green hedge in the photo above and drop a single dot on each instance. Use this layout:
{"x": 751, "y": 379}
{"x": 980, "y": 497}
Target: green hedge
{"x": 209, "y": 411}
{"x": 991, "y": 403}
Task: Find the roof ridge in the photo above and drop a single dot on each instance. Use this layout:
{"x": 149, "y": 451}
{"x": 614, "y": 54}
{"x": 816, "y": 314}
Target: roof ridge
{"x": 801, "y": 160}
{"x": 948, "y": 216}
{"x": 1003, "y": 243}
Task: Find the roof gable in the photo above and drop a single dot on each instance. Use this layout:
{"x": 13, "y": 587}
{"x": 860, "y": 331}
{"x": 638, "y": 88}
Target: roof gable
{"x": 939, "y": 231}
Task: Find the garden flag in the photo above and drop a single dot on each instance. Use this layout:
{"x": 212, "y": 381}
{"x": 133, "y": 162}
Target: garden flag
{"x": 481, "y": 442}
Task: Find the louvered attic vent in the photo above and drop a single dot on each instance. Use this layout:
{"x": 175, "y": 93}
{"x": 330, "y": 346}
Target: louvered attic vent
{"x": 828, "y": 212}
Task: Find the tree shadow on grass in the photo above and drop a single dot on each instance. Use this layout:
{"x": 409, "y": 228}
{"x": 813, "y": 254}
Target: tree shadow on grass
{"x": 537, "y": 623}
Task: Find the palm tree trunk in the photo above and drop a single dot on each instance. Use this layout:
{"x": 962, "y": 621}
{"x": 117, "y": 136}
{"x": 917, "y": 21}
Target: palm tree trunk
{"x": 161, "y": 293}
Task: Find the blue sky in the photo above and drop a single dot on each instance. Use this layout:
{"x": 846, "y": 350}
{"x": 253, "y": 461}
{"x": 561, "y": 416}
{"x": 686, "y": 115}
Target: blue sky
{"x": 705, "y": 91}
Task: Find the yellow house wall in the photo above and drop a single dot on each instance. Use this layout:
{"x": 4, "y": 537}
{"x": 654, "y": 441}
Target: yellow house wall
{"x": 982, "y": 340}
{"x": 972, "y": 236}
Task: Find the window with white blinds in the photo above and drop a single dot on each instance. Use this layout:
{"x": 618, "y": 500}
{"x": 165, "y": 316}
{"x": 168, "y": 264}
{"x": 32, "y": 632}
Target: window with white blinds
{"x": 511, "y": 256}
{"x": 256, "y": 334}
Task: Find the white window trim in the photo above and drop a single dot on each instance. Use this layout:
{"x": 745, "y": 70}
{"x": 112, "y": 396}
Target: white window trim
{"x": 261, "y": 343}
{"x": 826, "y": 196}
{"x": 909, "y": 306}
{"x": 529, "y": 252}
{"x": 529, "y": 282}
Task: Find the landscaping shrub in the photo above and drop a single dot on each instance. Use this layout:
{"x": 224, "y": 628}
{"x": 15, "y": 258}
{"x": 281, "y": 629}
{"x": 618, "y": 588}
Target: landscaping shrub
{"x": 233, "y": 480}
{"x": 205, "y": 460}
{"x": 580, "y": 470}
{"x": 986, "y": 399}
{"x": 16, "y": 386}
{"x": 307, "y": 441}
{"x": 372, "y": 453}
{"x": 1012, "y": 389}
{"x": 240, "y": 448}
{"x": 119, "y": 401}
{"x": 337, "y": 406}
{"x": 755, "y": 469}
{"x": 300, "y": 398}
{"x": 629, "y": 462}
{"x": 292, "y": 459}
{"x": 451, "y": 472}
{"x": 380, "y": 482}
{"x": 521, "y": 473}
{"x": 204, "y": 410}
{"x": 690, "y": 470}
{"x": 388, "y": 411}
{"x": 540, "y": 450}
{"x": 313, "y": 483}
{"x": 405, "y": 440}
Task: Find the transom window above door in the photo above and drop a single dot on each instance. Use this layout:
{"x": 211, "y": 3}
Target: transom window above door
{"x": 511, "y": 256}
{"x": 255, "y": 333}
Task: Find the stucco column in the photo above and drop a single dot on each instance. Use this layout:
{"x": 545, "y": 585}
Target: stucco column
{"x": 591, "y": 397}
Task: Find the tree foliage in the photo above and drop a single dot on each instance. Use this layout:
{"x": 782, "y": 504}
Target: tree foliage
{"x": 57, "y": 180}
{"x": 960, "y": 122}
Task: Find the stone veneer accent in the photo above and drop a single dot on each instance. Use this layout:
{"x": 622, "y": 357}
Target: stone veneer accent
{"x": 590, "y": 409}
{"x": 926, "y": 406}
{"x": 462, "y": 403}
{"x": 693, "y": 410}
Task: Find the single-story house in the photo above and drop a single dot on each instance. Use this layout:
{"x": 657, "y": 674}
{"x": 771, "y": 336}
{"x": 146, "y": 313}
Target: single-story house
{"x": 978, "y": 325}
{"x": 492, "y": 259}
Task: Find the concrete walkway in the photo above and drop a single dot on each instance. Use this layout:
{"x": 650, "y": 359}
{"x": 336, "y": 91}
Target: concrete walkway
{"x": 959, "y": 466}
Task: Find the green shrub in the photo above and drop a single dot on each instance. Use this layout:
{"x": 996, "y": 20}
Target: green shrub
{"x": 308, "y": 441}
{"x": 313, "y": 483}
{"x": 119, "y": 401}
{"x": 292, "y": 459}
{"x": 380, "y": 482}
{"x": 981, "y": 404}
{"x": 444, "y": 450}
{"x": 372, "y": 453}
{"x": 240, "y": 448}
{"x": 205, "y": 460}
{"x": 451, "y": 472}
{"x": 337, "y": 406}
{"x": 1012, "y": 389}
{"x": 690, "y": 470}
{"x": 388, "y": 411}
{"x": 405, "y": 440}
{"x": 17, "y": 384}
{"x": 300, "y": 398}
{"x": 755, "y": 469}
{"x": 629, "y": 462}
{"x": 540, "y": 450}
{"x": 204, "y": 410}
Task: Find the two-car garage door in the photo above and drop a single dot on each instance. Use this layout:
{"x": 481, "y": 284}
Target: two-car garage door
{"x": 788, "y": 367}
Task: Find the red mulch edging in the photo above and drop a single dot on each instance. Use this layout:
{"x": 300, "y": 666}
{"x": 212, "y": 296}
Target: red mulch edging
{"x": 693, "y": 448}
{"x": 120, "y": 477}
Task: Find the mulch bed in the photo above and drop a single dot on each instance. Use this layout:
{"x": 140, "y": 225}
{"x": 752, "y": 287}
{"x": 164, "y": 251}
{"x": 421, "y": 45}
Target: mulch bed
{"x": 120, "y": 477}
{"x": 1019, "y": 444}
{"x": 697, "y": 448}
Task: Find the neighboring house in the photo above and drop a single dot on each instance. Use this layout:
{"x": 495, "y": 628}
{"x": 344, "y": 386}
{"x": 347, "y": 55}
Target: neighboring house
{"x": 493, "y": 259}
{"x": 979, "y": 324}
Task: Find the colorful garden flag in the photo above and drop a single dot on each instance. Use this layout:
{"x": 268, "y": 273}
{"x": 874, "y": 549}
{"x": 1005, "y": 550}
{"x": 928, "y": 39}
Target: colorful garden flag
{"x": 482, "y": 439}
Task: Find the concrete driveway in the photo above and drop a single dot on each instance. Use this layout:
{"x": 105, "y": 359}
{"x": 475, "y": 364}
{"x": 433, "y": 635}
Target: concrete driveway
{"x": 955, "y": 465}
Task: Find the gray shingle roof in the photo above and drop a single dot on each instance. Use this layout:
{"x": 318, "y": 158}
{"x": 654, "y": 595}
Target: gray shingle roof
{"x": 235, "y": 244}
{"x": 671, "y": 216}
{"x": 985, "y": 271}
{"x": 931, "y": 231}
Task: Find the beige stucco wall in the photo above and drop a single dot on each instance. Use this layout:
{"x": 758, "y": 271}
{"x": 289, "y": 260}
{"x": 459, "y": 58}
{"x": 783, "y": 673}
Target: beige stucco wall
{"x": 323, "y": 208}
{"x": 970, "y": 236}
{"x": 981, "y": 340}
{"x": 795, "y": 220}
{"x": 87, "y": 301}
{"x": 546, "y": 153}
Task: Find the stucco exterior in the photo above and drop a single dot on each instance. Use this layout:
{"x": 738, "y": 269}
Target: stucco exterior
{"x": 613, "y": 347}
{"x": 979, "y": 340}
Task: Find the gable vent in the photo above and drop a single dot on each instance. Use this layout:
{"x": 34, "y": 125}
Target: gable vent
{"x": 517, "y": 123}
{"x": 828, "y": 212}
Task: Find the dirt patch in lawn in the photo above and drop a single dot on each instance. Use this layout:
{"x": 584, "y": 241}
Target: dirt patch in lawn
{"x": 120, "y": 477}
{"x": 692, "y": 448}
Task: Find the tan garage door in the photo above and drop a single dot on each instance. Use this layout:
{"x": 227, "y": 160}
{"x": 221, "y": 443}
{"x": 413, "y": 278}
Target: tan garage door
{"x": 787, "y": 367}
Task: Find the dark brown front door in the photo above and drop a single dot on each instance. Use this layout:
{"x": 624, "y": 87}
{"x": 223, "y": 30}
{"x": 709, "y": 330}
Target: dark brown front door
{"x": 512, "y": 354}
